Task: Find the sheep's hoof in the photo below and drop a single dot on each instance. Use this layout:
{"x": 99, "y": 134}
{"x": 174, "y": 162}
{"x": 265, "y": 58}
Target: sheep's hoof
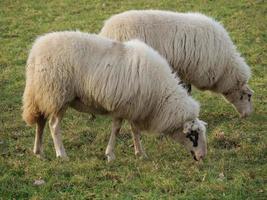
{"x": 40, "y": 156}
{"x": 63, "y": 158}
{"x": 141, "y": 155}
{"x": 38, "y": 153}
{"x": 110, "y": 157}
{"x": 92, "y": 117}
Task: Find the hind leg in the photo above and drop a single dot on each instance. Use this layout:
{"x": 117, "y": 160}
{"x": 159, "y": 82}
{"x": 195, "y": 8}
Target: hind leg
{"x": 138, "y": 148}
{"x": 54, "y": 124}
{"x": 38, "y": 146}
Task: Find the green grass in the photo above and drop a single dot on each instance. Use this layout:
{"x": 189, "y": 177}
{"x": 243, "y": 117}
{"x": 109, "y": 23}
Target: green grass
{"x": 169, "y": 173}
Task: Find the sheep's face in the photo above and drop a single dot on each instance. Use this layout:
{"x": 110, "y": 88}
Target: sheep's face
{"x": 193, "y": 137}
{"x": 242, "y": 100}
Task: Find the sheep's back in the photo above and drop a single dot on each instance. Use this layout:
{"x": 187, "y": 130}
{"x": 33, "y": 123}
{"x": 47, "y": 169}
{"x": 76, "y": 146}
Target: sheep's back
{"x": 196, "y": 46}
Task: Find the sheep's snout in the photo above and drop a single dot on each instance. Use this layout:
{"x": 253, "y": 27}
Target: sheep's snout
{"x": 199, "y": 155}
{"x": 244, "y": 115}
{"x": 247, "y": 112}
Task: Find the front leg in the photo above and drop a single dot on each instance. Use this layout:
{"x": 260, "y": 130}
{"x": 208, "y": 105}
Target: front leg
{"x": 138, "y": 148}
{"x": 186, "y": 86}
{"x": 116, "y": 126}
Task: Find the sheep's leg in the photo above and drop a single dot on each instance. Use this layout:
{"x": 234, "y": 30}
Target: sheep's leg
{"x": 92, "y": 117}
{"x": 56, "y": 135}
{"x": 116, "y": 126}
{"x": 38, "y": 146}
{"x": 138, "y": 148}
{"x": 186, "y": 86}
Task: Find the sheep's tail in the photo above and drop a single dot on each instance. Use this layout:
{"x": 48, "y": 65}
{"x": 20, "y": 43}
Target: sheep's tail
{"x": 30, "y": 112}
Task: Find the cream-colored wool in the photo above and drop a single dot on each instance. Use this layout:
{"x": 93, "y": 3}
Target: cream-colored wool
{"x": 197, "y": 47}
{"x": 101, "y": 76}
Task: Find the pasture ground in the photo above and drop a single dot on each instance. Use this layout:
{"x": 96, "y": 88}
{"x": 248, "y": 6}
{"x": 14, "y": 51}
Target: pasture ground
{"x": 235, "y": 167}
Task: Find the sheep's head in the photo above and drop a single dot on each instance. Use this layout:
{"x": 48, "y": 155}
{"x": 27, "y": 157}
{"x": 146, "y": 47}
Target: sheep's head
{"x": 241, "y": 99}
{"x": 193, "y": 137}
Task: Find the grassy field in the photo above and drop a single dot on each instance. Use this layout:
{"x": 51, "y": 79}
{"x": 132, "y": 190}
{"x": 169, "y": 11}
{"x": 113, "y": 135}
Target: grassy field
{"x": 236, "y": 165}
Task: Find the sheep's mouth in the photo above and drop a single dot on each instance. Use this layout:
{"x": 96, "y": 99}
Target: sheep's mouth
{"x": 194, "y": 156}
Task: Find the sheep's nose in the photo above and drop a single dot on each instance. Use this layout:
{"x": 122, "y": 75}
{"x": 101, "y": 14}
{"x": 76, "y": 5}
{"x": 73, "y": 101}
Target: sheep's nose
{"x": 244, "y": 115}
{"x": 199, "y": 156}
{"x": 194, "y": 155}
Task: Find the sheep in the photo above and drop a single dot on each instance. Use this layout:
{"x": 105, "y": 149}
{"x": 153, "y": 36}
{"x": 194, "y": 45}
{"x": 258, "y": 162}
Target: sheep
{"x": 197, "y": 47}
{"x": 97, "y": 75}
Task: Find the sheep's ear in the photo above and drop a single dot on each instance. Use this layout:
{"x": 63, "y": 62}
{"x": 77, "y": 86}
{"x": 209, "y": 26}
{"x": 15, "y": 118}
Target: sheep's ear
{"x": 246, "y": 89}
{"x": 204, "y": 123}
{"x": 187, "y": 126}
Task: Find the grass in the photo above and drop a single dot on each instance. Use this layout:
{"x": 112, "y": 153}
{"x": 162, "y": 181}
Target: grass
{"x": 236, "y": 165}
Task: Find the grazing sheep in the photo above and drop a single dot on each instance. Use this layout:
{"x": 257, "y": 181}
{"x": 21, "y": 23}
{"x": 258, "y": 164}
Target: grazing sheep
{"x": 100, "y": 76}
{"x": 197, "y": 47}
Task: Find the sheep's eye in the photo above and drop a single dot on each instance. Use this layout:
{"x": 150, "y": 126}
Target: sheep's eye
{"x": 249, "y": 97}
{"x": 241, "y": 98}
{"x": 193, "y": 137}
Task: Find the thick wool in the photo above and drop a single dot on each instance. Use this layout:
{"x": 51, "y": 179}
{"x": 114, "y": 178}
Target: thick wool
{"x": 124, "y": 80}
{"x": 197, "y": 47}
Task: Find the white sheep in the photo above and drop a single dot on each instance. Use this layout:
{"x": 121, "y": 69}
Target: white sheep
{"x": 197, "y": 47}
{"x": 123, "y": 80}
